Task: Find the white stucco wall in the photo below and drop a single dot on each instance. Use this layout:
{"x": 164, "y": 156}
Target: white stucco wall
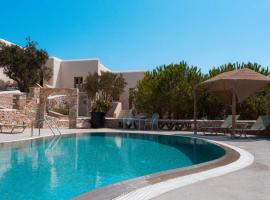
{"x": 3, "y": 76}
{"x": 76, "y": 68}
{"x": 132, "y": 79}
{"x": 64, "y": 72}
{"x": 54, "y": 63}
{"x": 102, "y": 68}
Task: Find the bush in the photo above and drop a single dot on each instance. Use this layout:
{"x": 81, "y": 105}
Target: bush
{"x": 26, "y": 66}
{"x": 168, "y": 90}
{"x": 103, "y": 89}
{"x": 101, "y": 105}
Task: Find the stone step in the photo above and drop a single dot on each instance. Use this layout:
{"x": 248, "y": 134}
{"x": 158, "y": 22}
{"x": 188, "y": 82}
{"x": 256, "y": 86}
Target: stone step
{"x": 124, "y": 113}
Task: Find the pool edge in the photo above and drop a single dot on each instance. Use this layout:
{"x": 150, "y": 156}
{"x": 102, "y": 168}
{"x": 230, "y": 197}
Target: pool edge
{"x": 245, "y": 159}
{"x": 153, "y": 185}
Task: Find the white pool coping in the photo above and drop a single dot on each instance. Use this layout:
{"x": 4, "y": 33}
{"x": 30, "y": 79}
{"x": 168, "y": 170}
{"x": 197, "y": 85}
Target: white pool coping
{"x": 155, "y": 190}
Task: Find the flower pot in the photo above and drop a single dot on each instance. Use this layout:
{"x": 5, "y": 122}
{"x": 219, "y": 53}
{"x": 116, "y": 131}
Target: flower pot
{"x": 97, "y": 119}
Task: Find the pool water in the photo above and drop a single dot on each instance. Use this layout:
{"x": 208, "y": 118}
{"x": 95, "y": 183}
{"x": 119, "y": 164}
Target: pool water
{"x": 66, "y": 166}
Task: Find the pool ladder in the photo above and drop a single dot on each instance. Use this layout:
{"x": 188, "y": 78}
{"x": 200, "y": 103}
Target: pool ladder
{"x": 50, "y": 123}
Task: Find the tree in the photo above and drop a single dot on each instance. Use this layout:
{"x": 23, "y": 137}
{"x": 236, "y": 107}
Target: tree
{"x": 168, "y": 90}
{"x": 103, "y": 89}
{"x": 25, "y": 65}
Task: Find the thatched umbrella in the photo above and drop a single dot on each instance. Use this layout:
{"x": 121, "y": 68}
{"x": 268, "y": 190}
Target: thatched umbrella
{"x": 230, "y": 87}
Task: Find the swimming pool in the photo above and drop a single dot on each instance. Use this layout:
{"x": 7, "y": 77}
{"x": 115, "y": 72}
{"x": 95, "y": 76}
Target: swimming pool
{"x": 67, "y": 166}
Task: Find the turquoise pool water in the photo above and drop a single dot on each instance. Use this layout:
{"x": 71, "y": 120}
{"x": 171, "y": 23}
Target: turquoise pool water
{"x": 67, "y": 166}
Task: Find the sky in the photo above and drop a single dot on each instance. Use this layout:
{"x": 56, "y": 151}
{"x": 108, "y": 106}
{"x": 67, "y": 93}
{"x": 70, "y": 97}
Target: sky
{"x": 143, "y": 34}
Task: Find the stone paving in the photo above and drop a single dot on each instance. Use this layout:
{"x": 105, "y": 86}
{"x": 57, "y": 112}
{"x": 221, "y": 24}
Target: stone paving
{"x": 251, "y": 183}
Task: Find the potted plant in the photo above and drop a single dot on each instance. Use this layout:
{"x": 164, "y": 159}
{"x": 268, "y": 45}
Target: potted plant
{"x": 102, "y": 90}
{"x": 99, "y": 110}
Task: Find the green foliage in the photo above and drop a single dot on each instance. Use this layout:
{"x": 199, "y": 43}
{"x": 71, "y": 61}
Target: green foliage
{"x": 25, "y": 65}
{"x": 101, "y": 105}
{"x": 92, "y": 85}
{"x": 104, "y": 89}
{"x": 233, "y": 66}
{"x": 168, "y": 90}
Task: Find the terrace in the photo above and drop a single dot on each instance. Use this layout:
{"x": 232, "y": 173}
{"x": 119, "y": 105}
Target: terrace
{"x": 249, "y": 183}
{"x": 138, "y": 122}
{"x": 244, "y": 159}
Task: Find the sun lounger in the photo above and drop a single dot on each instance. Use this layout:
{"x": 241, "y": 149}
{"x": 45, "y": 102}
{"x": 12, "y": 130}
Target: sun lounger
{"x": 260, "y": 126}
{"x": 225, "y": 126}
{"x": 12, "y": 127}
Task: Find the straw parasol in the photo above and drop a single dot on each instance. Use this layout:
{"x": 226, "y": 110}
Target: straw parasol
{"x": 230, "y": 87}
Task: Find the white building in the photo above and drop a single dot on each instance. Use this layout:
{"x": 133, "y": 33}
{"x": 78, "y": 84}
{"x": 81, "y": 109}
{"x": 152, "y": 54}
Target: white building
{"x": 72, "y": 73}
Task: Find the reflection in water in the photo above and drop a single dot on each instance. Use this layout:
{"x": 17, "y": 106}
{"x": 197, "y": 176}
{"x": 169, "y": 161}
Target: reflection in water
{"x": 53, "y": 180}
{"x": 118, "y": 141}
{"x": 5, "y": 162}
{"x": 63, "y": 167}
{"x": 98, "y": 180}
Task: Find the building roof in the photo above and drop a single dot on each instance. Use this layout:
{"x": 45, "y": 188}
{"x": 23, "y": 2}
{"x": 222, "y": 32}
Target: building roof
{"x": 6, "y": 42}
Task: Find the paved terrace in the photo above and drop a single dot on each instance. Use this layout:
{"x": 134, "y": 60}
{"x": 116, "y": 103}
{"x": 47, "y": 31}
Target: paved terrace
{"x": 249, "y": 183}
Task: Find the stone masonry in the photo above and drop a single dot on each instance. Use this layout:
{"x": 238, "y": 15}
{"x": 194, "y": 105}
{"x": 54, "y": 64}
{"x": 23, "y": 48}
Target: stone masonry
{"x": 22, "y": 109}
{"x": 72, "y": 96}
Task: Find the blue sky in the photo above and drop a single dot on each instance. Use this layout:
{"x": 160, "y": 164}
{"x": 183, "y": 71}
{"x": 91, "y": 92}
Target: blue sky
{"x": 142, "y": 34}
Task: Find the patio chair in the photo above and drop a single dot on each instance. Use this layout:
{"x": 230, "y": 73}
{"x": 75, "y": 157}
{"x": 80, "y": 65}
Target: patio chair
{"x": 128, "y": 120}
{"x": 260, "y": 126}
{"x": 12, "y": 127}
{"x": 225, "y": 126}
{"x": 153, "y": 122}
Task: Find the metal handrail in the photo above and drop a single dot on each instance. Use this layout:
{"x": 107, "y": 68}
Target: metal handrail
{"x": 49, "y": 125}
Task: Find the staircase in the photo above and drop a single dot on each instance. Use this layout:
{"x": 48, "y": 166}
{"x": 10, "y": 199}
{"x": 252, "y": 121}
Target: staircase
{"x": 112, "y": 109}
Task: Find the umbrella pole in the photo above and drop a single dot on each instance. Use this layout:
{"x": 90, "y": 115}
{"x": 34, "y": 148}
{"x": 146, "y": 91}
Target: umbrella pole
{"x": 195, "y": 113}
{"x": 233, "y": 114}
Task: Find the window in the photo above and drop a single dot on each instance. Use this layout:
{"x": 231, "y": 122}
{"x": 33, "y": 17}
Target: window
{"x": 78, "y": 82}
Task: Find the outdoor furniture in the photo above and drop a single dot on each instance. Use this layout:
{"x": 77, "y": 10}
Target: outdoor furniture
{"x": 153, "y": 122}
{"x": 133, "y": 121}
{"x": 225, "y": 126}
{"x": 12, "y": 128}
{"x": 260, "y": 126}
{"x": 128, "y": 121}
{"x": 231, "y": 87}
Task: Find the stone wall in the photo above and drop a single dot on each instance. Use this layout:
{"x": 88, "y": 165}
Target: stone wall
{"x": 83, "y": 122}
{"x": 32, "y": 107}
{"x": 6, "y": 100}
{"x": 83, "y": 109}
{"x": 72, "y": 98}
{"x": 24, "y": 114}
{"x": 11, "y": 116}
{"x": 117, "y": 123}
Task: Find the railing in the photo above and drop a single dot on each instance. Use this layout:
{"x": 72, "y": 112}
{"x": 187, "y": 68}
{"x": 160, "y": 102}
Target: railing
{"x": 51, "y": 124}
